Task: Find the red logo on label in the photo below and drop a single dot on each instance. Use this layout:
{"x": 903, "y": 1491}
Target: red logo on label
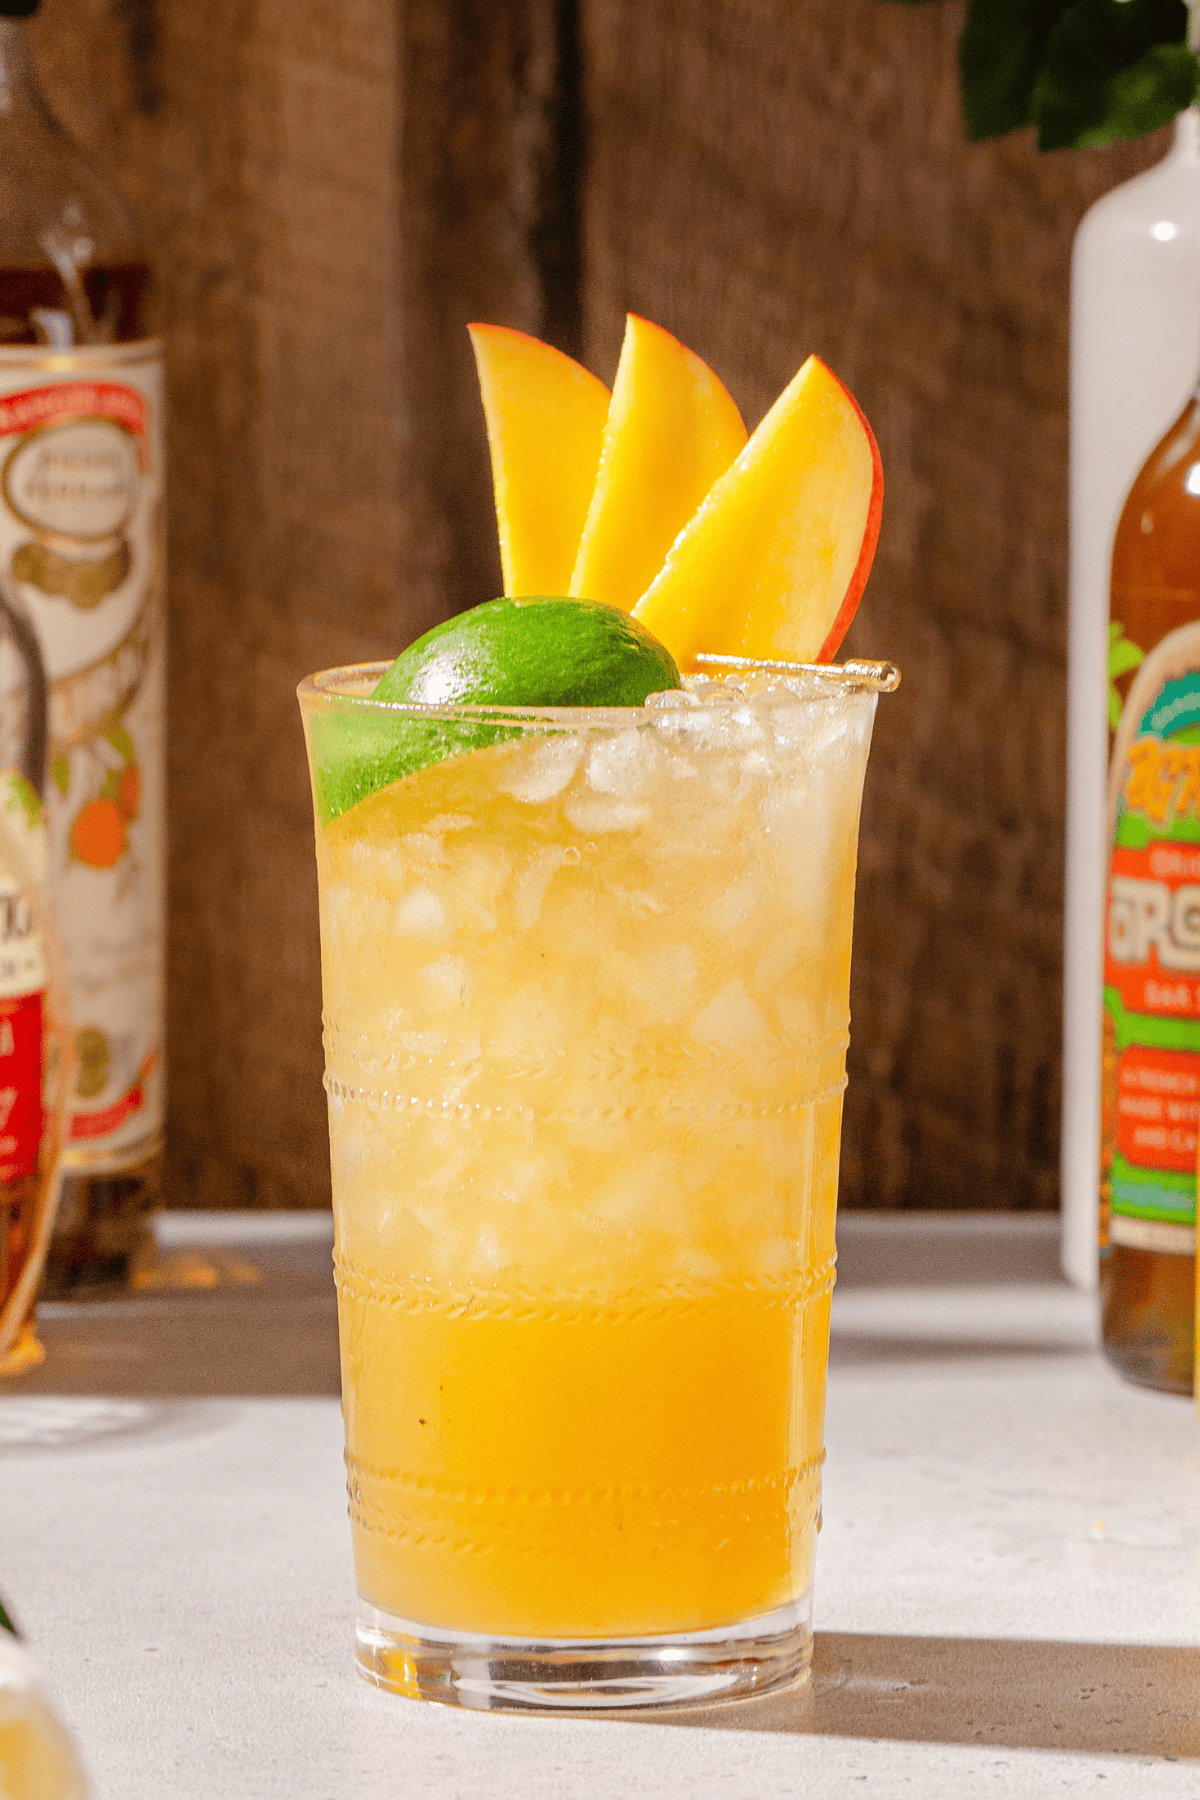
{"x": 72, "y": 400}
{"x": 20, "y": 1086}
{"x": 99, "y": 1124}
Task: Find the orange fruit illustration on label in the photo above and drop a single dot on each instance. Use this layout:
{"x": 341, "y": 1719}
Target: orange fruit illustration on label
{"x": 98, "y": 834}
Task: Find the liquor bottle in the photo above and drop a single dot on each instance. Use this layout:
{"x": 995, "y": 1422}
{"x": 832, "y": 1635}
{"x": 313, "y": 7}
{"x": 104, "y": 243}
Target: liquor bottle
{"x": 35, "y": 1059}
{"x": 1150, "y": 1105}
{"x": 81, "y": 571}
{"x": 1135, "y": 300}
{"x": 38, "y": 1760}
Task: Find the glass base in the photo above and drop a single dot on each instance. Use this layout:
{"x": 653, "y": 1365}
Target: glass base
{"x": 1147, "y": 1316}
{"x": 585, "y": 1674}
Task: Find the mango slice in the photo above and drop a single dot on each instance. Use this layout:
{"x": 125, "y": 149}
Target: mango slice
{"x": 672, "y": 429}
{"x": 545, "y": 424}
{"x": 775, "y": 559}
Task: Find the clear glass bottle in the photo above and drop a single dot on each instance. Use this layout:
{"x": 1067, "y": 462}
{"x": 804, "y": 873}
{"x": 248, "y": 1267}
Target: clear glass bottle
{"x": 1151, "y": 1017}
{"x": 81, "y": 570}
{"x": 38, "y": 1760}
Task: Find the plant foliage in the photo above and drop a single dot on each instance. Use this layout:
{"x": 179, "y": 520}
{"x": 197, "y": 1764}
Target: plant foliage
{"x": 1081, "y": 72}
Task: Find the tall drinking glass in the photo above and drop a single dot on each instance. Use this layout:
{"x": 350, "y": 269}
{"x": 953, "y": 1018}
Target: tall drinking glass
{"x": 586, "y": 983}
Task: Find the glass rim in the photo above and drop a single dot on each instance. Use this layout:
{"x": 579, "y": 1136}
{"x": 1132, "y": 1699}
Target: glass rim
{"x": 351, "y": 686}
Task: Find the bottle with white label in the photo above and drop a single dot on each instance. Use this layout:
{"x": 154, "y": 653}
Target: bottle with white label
{"x": 81, "y": 577}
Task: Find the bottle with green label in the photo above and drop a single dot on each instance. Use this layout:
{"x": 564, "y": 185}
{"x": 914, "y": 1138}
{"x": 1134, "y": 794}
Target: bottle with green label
{"x": 1150, "y": 1089}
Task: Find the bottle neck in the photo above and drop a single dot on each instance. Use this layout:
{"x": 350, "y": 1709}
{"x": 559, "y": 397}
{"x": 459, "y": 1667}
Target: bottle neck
{"x": 1186, "y": 141}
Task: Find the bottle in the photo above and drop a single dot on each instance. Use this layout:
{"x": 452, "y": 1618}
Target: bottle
{"x": 81, "y": 571}
{"x": 1150, "y": 1099}
{"x": 1135, "y": 300}
{"x": 23, "y": 974}
{"x": 38, "y": 1760}
{"x": 34, "y": 1067}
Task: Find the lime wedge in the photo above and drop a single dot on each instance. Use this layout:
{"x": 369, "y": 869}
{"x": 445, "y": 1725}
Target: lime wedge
{"x": 542, "y": 651}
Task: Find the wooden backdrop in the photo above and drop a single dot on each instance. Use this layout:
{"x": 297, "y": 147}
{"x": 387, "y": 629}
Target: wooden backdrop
{"x": 335, "y": 187}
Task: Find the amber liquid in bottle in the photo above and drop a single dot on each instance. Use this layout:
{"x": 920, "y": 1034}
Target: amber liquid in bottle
{"x": 18, "y": 1198}
{"x": 1148, "y": 1294}
{"x": 73, "y": 272}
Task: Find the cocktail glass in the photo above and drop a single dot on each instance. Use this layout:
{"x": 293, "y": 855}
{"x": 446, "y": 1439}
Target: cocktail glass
{"x": 586, "y": 1012}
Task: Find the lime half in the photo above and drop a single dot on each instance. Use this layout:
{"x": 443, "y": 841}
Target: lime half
{"x": 541, "y": 651}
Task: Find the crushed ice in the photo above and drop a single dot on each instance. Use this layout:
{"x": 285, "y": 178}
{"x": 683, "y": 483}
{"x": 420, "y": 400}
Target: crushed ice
{"x": 540, "y": 776}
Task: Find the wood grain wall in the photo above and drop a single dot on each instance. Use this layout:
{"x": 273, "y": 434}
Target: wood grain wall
{"x": 335, "y": 187}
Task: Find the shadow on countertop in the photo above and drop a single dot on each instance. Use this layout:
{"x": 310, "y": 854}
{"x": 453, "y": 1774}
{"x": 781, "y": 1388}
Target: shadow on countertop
{"x": 271, "y": 1330}
{"x": 1097, "y": 1699}
{"x": 941, "y": 1249}
{"x": 850, "y": 1350}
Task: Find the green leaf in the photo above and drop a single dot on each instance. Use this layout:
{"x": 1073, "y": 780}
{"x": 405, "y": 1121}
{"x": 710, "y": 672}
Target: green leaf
{"x": 121, "y": 741}
{"x": 60, "y": 769}
{"x": 999, "y": 55}
{"x": 24, "y": 797}
{"x": 1113, "y": 69}
{"x": 1123, "y": 655}
{"x": 1159, "y": 86}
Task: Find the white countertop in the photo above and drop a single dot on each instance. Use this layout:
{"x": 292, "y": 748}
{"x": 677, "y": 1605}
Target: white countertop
{"x": 1008, "y": 1580}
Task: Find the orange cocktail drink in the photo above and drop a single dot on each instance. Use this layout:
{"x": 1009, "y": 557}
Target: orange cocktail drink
{"x": 586, "y": 1011}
